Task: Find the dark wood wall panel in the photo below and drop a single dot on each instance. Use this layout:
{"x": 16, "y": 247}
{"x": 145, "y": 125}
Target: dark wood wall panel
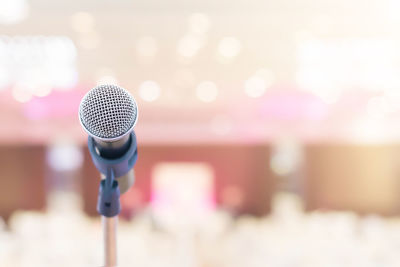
{"x": 364, "y": 178}
{"x": 22, "y": 182}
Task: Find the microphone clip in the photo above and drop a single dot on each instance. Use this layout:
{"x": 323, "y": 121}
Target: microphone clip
{"x": 121, "y": 165}
{"x": 108, "y": 203}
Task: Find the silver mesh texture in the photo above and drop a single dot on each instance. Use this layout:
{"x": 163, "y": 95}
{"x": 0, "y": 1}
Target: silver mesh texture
{"x": 108, "y": 112}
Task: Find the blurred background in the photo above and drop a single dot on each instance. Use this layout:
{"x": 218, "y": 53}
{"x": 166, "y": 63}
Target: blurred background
{"x": 268, "y": 133}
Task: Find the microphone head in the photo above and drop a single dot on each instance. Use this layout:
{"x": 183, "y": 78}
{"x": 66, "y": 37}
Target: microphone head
{"x": 108, "y": 112}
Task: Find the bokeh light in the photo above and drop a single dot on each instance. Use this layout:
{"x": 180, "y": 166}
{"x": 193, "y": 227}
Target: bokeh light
{"x": 255, "y": 86}
{"x": 207, "y": 91}
{"x": 21, "y": 94}
{"x": 107, "y": 79}
{"x": 287, "y": 157}
{"x": 42, "y": 91}
{"x": 38, "y": 61}
{"x": 13, "y": 11}
{"x": 229, "y": 47}
{"x": 149, "y": 91}
{"x": 106, "y": 75}
{"x": 64, "y": 156}
{"x": 189, "y": 45}
{"x": 258, "y": 83}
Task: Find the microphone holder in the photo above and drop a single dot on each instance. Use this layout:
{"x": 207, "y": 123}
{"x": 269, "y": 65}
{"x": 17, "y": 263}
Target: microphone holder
{"x": 108, "y": 203}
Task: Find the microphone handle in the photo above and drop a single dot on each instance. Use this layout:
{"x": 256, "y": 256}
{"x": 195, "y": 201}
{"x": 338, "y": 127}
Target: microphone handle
{"x": 116, "y": 149}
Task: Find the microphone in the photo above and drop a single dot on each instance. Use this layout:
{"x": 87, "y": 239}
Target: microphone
{"x": 108, "y": 113}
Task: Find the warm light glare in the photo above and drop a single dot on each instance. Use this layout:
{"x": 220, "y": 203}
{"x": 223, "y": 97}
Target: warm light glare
{"x": 329, "y": 67}
{"x": 106, "y": 75}
{"x": 391, "y": 8}
{"x": 42, "y": 91}
{"x": 13, "y": 11}
{"x": 64, "y": 156}
{"x": 107, "y": 79}
{"x": 21, "y": 94}
{"x": 90, "y": 40}
{"x": 255, "y": 86}
{"x": 189, "y": 45}
{"x": 376, "y": 107}
{"x": 207, "y": 91}
{"x": 199, "y": 23}
{"x": 4, "y": 78}
{"x": 149, "y": 91}
{"x": 229, "y": 47}
{"x": 37, "y": 61}
{"x": 82, "y": 22}
{"x": 146, "y": 47}
{"x": 286, "y": 158}
{"x": 182, "y": 188}
{"x": 370, "y": 129}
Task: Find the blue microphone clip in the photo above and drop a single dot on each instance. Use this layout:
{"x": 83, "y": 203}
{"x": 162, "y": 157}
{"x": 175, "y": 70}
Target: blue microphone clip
{"x": 108, "y": 203}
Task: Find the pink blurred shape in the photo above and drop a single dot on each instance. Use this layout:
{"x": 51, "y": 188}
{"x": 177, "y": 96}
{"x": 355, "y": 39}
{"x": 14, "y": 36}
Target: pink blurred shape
{"x": 293, "y": 104}
{"x": 58, "y": 104}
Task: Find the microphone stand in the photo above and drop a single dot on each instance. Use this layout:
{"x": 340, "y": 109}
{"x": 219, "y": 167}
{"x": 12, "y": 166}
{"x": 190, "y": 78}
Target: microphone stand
{"x": 110, "y": 240}
{"x": 109, "y": 207}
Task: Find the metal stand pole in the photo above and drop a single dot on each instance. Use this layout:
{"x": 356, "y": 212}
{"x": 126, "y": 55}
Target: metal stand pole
{"x": 110, "y": 240}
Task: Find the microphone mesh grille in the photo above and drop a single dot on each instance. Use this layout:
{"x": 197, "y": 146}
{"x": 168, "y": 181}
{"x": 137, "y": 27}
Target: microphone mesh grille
{"x": 108, "y": 111}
